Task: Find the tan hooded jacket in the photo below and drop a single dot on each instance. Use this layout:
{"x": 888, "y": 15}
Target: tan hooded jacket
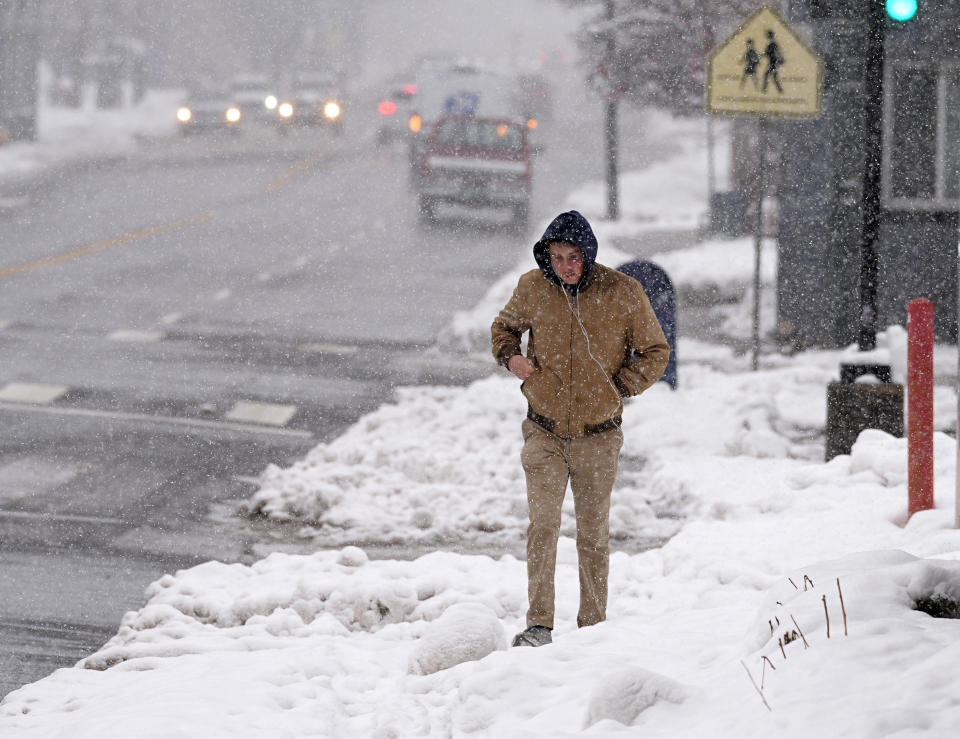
{"x": 592, "y": 346}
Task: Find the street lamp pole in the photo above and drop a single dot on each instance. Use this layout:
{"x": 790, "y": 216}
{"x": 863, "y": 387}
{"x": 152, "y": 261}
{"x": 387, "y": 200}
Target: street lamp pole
{"x": 611, "y": 138}
{"x": 873, "y": 146}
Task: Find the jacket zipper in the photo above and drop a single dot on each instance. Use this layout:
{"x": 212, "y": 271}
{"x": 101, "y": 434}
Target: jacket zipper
{"x": 570, "y": 368}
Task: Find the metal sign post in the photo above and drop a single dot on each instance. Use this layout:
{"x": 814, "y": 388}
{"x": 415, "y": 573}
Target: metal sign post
{"x": 758, "y": 239}
{"x": 763, "y": 70}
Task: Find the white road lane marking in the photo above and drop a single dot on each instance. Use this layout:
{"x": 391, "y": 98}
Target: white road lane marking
{"x": 134, "y": 335}
{"x": 320, "y": 347}
{"x": 49, "y": 516}
{"x": 171, "y": 318}
{"x": 272, "y": 414}
{"x": 31, "y": 392}
{"x": 33, "y": 475}
{"x": 222, "y": 295}
{"x": 196, "y": 423}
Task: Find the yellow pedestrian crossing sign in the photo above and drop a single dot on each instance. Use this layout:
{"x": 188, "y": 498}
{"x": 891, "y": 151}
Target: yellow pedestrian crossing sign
{"x": 764, "y": 69}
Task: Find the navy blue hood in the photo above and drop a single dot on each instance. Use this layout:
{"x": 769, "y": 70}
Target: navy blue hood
{"x": 571, "y": 228}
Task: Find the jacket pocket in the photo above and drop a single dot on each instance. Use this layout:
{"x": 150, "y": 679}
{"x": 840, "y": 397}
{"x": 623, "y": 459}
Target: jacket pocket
{"x": 598, "y": 399}
{"x": 541, "y": 390}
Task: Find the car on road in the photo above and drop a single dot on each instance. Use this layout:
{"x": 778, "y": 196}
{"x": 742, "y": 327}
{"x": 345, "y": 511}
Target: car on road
{"x": 255, "y": 95}
{"x": 315, "y": 99}
{"x": 535, "y": 96}
{"x": 462, "y": 88}
{"x": 208, "y": 110}
{"x": 394, "y": 109}
{"x": 476, "y": 161}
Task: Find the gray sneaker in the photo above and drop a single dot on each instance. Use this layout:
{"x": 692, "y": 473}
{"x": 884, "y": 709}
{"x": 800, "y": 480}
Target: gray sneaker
{"x": 533, "y": 636}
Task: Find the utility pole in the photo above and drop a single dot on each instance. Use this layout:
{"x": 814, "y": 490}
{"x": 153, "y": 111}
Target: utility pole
{"x": 873, "y": 147}
{"x": 610, "y": 127}
{"x": 19, "y": 56}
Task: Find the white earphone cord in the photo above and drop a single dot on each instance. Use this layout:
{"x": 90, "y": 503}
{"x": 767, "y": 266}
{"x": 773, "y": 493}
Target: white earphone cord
{"x": 583, "y": 329}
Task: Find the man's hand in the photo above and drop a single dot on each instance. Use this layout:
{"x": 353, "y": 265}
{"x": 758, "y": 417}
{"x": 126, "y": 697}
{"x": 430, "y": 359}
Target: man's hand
{"x": 520, "y": 366}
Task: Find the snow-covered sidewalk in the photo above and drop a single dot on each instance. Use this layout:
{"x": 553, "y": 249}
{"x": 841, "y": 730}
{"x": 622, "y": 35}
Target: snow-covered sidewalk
{"x": 788, "y": 602}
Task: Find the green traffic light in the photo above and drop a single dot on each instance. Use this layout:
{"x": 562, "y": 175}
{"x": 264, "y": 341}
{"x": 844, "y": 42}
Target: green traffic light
{"x": 901, "y": 10}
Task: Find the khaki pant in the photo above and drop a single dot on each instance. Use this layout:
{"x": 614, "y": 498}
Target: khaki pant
{"x": 590, "y": 465}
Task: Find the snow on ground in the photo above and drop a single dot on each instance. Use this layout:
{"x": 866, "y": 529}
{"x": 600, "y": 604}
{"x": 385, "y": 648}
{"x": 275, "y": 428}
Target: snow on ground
{"x": 792, "y": 600}
{"x": 66, "y": 135}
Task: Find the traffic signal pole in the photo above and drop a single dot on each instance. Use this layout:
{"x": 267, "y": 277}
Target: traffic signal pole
{"x": 610, "y": 126}
{"x": 873, "y": 148}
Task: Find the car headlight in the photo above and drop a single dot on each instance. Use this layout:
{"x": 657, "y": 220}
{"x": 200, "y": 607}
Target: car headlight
{"x": 232, "y": 115}
{"x": 270, "y": 102}
{"x": 332, "y": 110}
{"x": 285, "y": 110}
{"x": 184, "y": 114}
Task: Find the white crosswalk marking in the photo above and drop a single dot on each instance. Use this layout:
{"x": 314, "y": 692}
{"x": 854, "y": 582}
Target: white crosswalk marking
{"x": 134, "y": 335}
{"x": 272, "y": 414}
{"x": 32, "y": 475}
{"x": 317, "y": 347}
{"x": 31, "y": 392}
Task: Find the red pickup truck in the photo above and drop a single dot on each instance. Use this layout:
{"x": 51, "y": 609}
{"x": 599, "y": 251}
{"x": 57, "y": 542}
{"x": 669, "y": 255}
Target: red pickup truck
{"x": 476, "y": 161}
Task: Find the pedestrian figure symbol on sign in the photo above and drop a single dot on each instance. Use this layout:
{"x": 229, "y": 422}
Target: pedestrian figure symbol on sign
{"x": 775, "y": 60}
{"x": 751, "y": 60}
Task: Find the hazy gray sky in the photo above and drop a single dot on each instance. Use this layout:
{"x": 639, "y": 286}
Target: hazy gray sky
{"x": 497, "y": 30}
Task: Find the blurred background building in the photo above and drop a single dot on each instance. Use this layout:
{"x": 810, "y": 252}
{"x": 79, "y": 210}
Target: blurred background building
{"x": 106, "y": 53}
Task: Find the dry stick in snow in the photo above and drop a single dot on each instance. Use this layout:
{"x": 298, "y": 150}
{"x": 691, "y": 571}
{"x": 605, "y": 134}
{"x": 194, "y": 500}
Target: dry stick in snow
{"x": 793, "y": 583}
{"x": 808, "y": 580}
{"x": 763, "y": 676}
{"x": 800, "y": 631}
{"x": 842, "y": 608}
{"x": 782, "y": 650}
{"x": 754, "y": 683}
{"x": 827, "y": 614}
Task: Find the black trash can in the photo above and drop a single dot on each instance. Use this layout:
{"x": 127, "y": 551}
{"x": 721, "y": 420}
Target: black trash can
{"x": 854, "y": 406}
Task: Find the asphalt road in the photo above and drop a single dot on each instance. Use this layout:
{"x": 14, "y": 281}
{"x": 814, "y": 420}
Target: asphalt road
{"x": 173, "y": 321}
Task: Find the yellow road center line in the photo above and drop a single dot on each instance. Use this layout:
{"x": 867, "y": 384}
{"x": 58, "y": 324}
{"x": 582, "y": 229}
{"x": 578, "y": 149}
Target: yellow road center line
{"x": 292, "y": 172}
{"x": 99, "y": 246}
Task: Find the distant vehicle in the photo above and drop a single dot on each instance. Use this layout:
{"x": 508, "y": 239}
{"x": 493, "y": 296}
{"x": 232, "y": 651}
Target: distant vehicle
{"x": 254, "y": 94}
{"x": 314, "y": 100}
{"x": 462, "y": 89}
{"x": 208, "y": 110}
{"x": 394, "y": 109}
{"x": 476, "y": 161}
{"x": 536, "y": 96}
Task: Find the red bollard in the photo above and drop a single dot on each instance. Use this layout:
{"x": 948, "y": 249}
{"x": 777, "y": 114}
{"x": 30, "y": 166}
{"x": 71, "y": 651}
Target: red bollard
{"x": 920, "y": 404}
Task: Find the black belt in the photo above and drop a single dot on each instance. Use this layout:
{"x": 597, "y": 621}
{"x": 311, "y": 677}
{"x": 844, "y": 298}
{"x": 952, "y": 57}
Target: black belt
{"x": 548, "y": 424}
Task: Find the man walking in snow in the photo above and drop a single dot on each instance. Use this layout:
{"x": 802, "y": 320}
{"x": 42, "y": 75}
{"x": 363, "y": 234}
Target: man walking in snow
{"x": 594, "y": 340}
